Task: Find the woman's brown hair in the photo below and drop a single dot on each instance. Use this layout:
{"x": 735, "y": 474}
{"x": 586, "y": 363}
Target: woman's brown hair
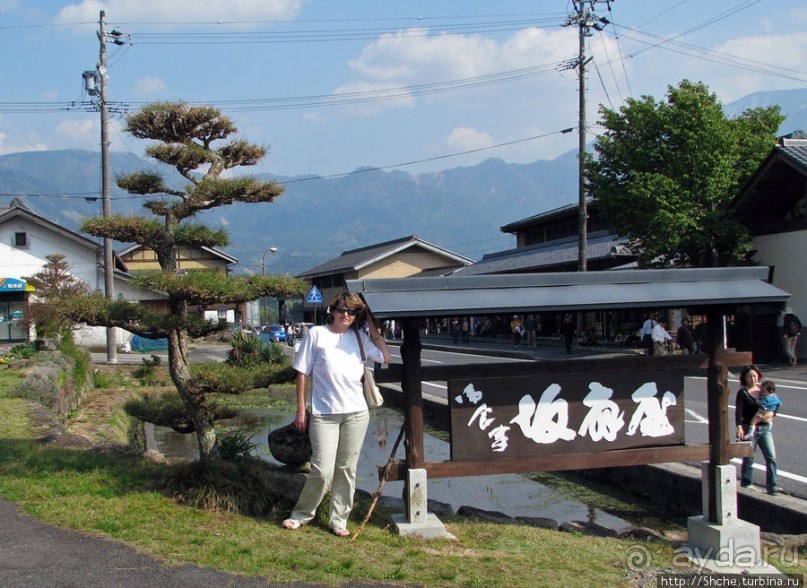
{"x": 348, "y": 300}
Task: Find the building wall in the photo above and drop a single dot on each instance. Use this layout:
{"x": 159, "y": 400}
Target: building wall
{"x": 403, "y": 265}
{"x": 779, "y": 252}
{"x": 83, "y": 259}
{"x": 144, "y": 259}
{"x": 20, "y": 262}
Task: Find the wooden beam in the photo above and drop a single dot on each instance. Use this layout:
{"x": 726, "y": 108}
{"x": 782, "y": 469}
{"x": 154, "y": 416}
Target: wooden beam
{"x": 413, "y": 394}
{"x": 394, "y": 373}
{"x": 625, "y": 457}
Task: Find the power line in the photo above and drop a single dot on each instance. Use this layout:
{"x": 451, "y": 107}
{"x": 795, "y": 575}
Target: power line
{"x": 95, "y": 194}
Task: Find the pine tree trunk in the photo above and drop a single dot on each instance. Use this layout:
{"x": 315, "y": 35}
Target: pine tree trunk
{"x": 195, "y": 400}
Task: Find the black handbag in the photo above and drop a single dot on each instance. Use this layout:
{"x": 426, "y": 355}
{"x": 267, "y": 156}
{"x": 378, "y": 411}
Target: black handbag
{"x": 290, "y": 446}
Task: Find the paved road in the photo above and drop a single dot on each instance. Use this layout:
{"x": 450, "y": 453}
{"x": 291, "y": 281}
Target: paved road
{"x": 199, "y": 353}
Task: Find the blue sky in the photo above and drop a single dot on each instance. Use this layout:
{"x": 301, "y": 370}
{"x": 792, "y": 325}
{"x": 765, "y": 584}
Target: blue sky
{"x": 331, "y": 86}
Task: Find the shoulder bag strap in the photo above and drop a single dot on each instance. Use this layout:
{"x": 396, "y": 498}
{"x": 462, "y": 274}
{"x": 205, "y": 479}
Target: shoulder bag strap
{"x": 361, "y": 345}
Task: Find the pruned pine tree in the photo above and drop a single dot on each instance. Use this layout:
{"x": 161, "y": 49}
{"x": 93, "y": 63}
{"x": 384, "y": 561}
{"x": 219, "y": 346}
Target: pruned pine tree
{"x": 197, "y": 142}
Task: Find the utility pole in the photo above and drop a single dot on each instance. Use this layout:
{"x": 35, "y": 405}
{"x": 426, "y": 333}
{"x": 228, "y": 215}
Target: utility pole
{"x": 109, "y": 268}
{"x": 585, "y": 19}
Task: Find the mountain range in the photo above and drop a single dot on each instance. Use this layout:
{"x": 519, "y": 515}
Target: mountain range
{"x": 316, "y": 219}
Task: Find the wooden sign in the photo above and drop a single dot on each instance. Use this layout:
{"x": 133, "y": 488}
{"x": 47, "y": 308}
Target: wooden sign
{"x": 541, "y": 415}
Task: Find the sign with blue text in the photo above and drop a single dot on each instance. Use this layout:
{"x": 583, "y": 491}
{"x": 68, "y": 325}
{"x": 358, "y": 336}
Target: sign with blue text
{"x": 314, "y": 297}
{"x": 12, "y": 285}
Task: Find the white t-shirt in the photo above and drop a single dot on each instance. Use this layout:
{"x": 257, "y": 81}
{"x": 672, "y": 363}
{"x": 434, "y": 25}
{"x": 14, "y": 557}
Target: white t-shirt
{"x": 333, "y": 362}
{"x": 660, "y": 334}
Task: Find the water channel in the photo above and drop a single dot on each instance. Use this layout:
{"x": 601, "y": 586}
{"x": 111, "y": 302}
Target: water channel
{"x": 511, "y": 494}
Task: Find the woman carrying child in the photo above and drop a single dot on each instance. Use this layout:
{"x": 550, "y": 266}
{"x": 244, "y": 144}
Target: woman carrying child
{"x": 749, "y": 401}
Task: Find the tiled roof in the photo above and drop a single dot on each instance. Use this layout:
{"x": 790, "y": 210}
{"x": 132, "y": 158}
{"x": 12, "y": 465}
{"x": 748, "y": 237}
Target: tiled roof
{"x": 600, "y": 245}
{"x": 798, "y": 154}
{"x": 355, "y": 259}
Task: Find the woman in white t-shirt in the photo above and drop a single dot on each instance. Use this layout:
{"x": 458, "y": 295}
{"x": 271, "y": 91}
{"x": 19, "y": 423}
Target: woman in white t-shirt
{"x": 331, "y": 358}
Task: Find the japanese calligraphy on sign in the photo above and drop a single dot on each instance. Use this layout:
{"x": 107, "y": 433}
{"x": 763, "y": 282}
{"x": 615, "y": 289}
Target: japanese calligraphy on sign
{"x": 573, "y": 413}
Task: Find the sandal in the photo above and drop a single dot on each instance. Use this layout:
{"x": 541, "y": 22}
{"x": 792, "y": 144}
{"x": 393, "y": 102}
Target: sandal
{"x": 291, "y": 524}
{"x": 340, "y": 532}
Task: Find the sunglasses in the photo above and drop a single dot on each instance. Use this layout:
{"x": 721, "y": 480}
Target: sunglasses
{"x": 347, "y": 311}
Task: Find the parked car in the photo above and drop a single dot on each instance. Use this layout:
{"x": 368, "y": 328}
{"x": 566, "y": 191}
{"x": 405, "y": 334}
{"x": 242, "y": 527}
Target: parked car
{"x": 277, "y": 333}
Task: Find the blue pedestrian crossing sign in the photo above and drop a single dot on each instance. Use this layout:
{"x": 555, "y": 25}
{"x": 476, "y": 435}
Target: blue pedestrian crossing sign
{"x": 314, "y": 297}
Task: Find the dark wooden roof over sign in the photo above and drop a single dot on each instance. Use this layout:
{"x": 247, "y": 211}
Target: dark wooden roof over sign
{"x": 519, "y": 293}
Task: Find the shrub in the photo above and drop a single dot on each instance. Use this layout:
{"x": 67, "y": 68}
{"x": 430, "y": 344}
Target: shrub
{"x": 169, "y": 410}
{"x": 235, "y": 446}
{"x": 218, "y": 485}
{"x": 40, "y": 384}
{"x": 146, "y": 373}
{"x": 224, "y": 378}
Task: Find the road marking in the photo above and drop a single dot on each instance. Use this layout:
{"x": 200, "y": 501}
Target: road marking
{"x": 780, "y": 415}
{"x": 698, "y": 418}
{"x": 778, "y": 383}
{"x": 436, "y": 385}
{"x": 779, "y": 472}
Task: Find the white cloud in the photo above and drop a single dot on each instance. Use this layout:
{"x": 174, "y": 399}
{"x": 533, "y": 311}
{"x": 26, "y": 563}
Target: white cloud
{"x": 84, "y": 132}
{"x": 388, "y": 95}
{"x": 415, "y": 57}
{"x": 149, "y": 85}
{"x": 784, "y": 55}
{"x": 31, "y": 142}
{"x": 409, "y": 56}
{"x": 465, "y": 139}
{"x": 182, "y": 10}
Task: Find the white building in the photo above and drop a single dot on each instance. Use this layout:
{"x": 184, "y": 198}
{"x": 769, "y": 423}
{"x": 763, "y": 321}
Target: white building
{"x": 26, "y": 239}
{"x": 773, "y": 205}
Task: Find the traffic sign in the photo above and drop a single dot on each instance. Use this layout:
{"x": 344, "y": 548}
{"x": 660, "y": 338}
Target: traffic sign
{"x": 314, "y": 297}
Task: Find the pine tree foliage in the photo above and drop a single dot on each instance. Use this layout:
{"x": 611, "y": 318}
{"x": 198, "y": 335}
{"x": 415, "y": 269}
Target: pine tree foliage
{"x": 198, "y": 142}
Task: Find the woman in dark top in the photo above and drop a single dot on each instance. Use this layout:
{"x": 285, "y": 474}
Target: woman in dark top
{"x": 745, "y": 407}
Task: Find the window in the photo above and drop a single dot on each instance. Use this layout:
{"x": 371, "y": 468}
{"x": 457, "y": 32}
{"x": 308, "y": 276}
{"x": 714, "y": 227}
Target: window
{"x": 21, "y": 240}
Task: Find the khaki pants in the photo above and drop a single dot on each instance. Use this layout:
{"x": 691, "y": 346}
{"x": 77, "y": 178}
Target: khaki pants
{"x": 336, "y": 441}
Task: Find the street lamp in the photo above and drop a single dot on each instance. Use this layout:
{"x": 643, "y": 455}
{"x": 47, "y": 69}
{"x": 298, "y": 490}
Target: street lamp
{"x": 263, "y": 259}
{"x": 263, "y": 272}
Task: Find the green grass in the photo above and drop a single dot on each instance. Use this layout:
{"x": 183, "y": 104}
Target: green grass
{"x": 113, "y": 494}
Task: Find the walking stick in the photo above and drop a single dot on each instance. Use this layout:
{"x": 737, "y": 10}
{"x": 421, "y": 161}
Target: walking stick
{"x": 380, "y": 488}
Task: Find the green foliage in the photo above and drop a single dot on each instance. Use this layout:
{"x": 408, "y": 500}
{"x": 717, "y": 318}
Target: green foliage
{"x": 222, "y": 378}
{"x": 20, "y": 351}
{"x": 248, "y": 350}
{"x": 82, "y": 363}
{"x": 41, "y": 384}
{"x": 226, "y": 378}
{"x": 169, "y": 410}
{"x": 200, "y": 236}
{"x": 128, "y": 229}
{"x": 235, "y": 446}
{"x": 208, "y": 287}
{"x": 223, "y": 486}
{"x": 185, "y": 137}
{"x": 667, "y": 171}
{"x": 146, "y": 372}
{"x": 104, "y": 380}
{"x": 52, "y": 282}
